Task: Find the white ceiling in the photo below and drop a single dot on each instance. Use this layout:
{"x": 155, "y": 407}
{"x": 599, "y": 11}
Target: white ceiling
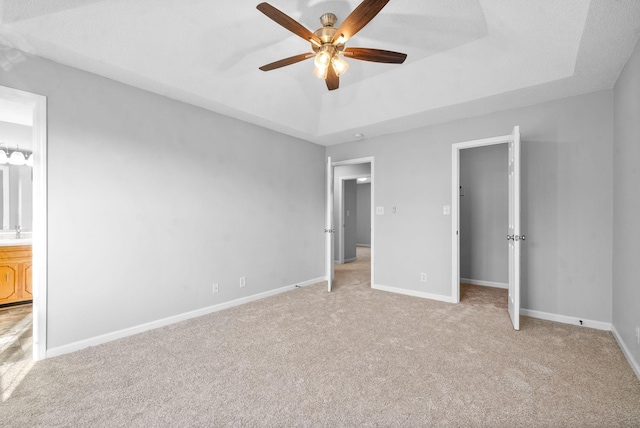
{"x": 465, "y": 57}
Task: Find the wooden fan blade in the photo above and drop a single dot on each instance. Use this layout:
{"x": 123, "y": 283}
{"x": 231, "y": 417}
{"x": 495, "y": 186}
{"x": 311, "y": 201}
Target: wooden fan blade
{"x": 360, "y": 17}
{"x": 286, "y": 61}
{"x": 287, "y": 22}
{"x": 375, "y": 55}
{"x": 332, "y": 80}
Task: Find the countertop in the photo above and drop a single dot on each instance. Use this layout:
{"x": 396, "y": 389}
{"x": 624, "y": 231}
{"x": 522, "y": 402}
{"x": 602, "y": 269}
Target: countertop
{"x": 15, "y": 242}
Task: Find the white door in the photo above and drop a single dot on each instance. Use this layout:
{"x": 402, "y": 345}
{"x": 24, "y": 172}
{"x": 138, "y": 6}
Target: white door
{"x": 514, "y": 237}
{"x": 329, "y": 230}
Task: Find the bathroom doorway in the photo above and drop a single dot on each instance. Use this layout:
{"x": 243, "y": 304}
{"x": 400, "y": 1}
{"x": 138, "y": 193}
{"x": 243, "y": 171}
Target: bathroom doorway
{"x": 29, "y": 110}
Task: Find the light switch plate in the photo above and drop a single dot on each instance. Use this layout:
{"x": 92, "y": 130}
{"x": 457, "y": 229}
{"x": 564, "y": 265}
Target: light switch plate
{"x": 446, "y": 210}
{"x": 379, "y": 210}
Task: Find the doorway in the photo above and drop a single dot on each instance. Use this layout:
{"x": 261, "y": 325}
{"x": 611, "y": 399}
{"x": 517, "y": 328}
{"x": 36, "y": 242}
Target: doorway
{"x": 352, "y": 212}
{"x": 343, "y": 215}
{"x": 484, "y": 216}
{"x": 513, "y": 232}
{"x": 32, "y": 107}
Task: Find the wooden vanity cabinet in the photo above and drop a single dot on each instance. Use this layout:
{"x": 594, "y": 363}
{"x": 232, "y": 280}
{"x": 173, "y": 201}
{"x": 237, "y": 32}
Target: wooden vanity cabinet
{"x": 15, "y": 274}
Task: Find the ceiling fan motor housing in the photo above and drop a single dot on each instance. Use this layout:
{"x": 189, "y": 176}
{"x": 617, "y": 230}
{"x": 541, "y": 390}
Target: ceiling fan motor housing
{"x": 327, "y": 32}
{"x": 328, "y": 19}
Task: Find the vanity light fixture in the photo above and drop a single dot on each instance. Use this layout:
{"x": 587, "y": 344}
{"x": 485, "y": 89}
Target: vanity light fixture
{"x": 16, "y": 156}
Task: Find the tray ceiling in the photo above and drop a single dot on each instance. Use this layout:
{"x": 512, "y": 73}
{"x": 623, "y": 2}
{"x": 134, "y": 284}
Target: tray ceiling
{"x": 465, "y": 57}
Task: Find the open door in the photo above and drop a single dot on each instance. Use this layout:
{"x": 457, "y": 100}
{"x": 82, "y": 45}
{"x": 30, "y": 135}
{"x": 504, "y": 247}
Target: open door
{"x": 514, "y": 238}
{"x": 329, "y": 230}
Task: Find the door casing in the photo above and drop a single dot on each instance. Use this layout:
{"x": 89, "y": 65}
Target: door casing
{"x": 38, "y": 105}
{"x": 357, "y": 161}
{"x": 455, "y": 204}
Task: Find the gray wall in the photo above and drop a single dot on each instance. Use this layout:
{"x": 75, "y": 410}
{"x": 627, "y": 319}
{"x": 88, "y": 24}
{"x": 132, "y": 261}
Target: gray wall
{"x": 350, "y": 219}
{"x": 484, "y": 214}
{"x": 152, "y": 200}
{"x": 363, "y": 200}
{"x": 567, "y": 184}
{"x": 626, "y": 205}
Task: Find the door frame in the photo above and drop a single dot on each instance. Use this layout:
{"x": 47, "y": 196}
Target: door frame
{"x": 38, "y": 105}
{"x": 455, "y": 204}
{"x": 341, "y": 212}
{"x": 329, "y": 226}
{"x": 370, "y": 160}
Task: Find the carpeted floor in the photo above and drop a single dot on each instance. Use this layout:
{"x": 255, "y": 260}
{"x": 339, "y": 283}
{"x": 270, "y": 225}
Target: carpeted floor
{"x": 353, "y": 357}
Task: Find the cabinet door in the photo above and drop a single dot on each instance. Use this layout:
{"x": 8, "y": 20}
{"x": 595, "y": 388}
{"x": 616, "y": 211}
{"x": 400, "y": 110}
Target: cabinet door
{"x": 8, "y": 283}
{"x": 26, "y": 277}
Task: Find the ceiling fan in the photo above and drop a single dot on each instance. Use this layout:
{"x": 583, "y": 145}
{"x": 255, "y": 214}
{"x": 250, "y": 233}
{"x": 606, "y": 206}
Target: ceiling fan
{"x": 328, "y": 42}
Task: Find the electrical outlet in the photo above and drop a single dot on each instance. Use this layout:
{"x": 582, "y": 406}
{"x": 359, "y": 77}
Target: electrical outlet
{"x": 243, "y": 281}
{"x": 638, "y": 334}
{"x": 215, "y": 287}
{"x": 423, "y": 277}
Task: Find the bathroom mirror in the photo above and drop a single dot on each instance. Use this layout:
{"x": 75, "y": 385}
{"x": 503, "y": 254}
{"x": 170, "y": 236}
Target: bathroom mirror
{"x": 16, "y": 207}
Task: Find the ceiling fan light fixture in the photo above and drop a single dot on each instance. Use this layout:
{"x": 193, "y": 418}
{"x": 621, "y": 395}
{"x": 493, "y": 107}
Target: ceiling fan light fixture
{"x": 339, "y": 65}
{"x": 328, "y": 42}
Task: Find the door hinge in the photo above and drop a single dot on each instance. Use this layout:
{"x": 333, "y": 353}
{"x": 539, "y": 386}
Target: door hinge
{"x": 329, "y": 231}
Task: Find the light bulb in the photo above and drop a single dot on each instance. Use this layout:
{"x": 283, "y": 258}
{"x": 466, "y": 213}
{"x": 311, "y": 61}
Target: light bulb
{"x": 3, "y": 157}
{"x": 320, "y": 72}
{"x": 17, "y": 158}
{"x": 323, "y": 58}
{"x": 340, "y": 66}
{"x": 30, "y": 160}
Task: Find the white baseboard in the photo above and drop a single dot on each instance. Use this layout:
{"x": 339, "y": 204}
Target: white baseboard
{"x": 598, "y": 325}
{"x": 413, "y": 293}
{"x": 104, "y": 338}
{"x": 349, "y": 260}
{"x": 484, "y": 283}
{"x": 625, "y": 350}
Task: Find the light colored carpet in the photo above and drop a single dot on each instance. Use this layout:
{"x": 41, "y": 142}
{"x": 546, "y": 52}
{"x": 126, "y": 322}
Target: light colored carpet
{"x": 355, "y": 357}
